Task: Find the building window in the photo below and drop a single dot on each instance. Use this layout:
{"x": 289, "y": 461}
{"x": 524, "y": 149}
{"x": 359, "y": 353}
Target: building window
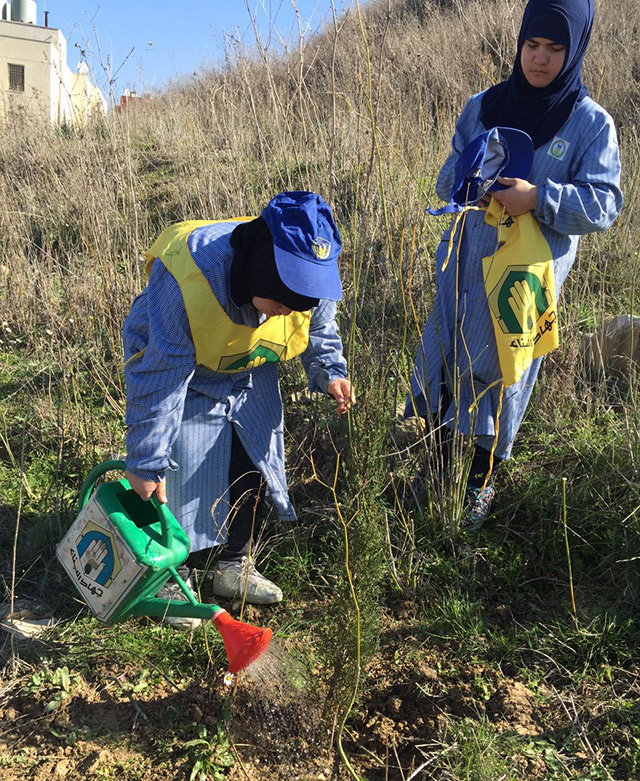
{"x": 16, "y": 77}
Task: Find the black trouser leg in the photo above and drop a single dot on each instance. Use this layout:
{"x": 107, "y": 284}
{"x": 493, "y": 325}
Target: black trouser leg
{"x": 481, "y": 466}
{"x": 441, "y": 452}
{"x": 481, "y": 462}
{"x": 246, "y": 492}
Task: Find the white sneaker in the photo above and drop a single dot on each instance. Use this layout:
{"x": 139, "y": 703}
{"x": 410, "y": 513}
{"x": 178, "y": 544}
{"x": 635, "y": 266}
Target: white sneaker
{"x": 234, "y": 578}
{"x": 172, "y": 592}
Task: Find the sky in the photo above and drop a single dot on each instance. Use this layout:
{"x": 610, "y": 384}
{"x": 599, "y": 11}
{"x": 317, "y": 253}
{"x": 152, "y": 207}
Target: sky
{"x": 141, "y": 45}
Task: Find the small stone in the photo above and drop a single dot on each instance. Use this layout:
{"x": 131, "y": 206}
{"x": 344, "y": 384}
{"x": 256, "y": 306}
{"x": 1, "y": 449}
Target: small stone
{"x": 62, "y": 768}
{"x": 95, "y": 763}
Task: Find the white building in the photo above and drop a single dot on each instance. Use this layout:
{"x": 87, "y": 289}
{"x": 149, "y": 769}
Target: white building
{"x": 34, "y": 75}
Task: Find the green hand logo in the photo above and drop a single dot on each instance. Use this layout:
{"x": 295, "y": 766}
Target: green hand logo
{"x": 522, "y": 300}
{"x": 256, "y": 357}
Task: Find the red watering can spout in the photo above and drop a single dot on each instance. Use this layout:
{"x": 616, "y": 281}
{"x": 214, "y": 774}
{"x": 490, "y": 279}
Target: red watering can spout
{"x": 242, "y": 642}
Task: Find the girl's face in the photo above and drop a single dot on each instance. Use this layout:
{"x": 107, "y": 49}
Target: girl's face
{"x": 541, "y": 60}
{"x": 269, "y": 307}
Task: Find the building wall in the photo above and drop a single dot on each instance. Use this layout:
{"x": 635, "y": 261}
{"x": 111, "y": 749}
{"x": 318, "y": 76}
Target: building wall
{"x": 86, "y": 98}
{"x": 49, "y": 83}
{"x": 59, "y": 78}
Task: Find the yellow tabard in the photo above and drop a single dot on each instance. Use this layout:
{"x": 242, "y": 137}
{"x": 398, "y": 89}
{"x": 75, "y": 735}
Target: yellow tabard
{"x": 520, "y": 287}
{"x": 220, "y": 344}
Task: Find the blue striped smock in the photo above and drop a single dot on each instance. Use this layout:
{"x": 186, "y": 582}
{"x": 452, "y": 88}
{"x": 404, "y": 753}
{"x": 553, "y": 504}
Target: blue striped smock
{"x": 578, "y": 192}
{"x": 179, "y": 415}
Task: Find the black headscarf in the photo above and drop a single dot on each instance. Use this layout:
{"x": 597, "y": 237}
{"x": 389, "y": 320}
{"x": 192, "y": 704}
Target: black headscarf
{"x": 542, "y": 111}
{"x": 254, "y": 271}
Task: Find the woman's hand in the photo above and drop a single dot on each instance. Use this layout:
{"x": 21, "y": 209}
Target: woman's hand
{"x": 342, "y": 391}
{"x": 519, "y": 198}
{"x": 146, "y": 488}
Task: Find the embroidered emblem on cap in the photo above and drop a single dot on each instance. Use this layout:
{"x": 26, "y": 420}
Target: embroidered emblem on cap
{"x": 558, "y": 148}
{"x": 321, "y": 248}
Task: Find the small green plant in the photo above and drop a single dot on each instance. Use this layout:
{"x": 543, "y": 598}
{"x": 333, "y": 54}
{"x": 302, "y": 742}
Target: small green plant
{"x": 69, "y": 739}
{"x": 142, "y": 683}
{"x": 211, "y": 754}
{"x": 58, "y": 683}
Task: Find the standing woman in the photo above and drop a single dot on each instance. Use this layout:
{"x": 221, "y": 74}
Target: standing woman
{"x": 572, "y": 189}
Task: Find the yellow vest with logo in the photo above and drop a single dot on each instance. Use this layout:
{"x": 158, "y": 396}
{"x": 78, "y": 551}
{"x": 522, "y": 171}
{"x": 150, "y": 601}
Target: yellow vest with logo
{"x": 519, "y": 283}
{"x": 220, "y": 344}
{"x": 520, "y": 287}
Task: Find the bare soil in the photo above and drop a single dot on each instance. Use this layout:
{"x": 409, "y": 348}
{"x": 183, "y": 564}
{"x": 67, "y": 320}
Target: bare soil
{"x": 275, "y": 715}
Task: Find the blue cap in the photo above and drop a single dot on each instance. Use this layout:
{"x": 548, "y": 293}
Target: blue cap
{"x": 501, "y": 151}
{"x": 306, "y": 244}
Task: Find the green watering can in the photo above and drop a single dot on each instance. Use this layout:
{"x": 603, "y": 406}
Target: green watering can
{"x": 121, "y": 550}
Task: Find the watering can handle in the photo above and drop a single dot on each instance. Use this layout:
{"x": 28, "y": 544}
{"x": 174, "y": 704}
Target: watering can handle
{"x": 103, "y": 468}
{"x": 94, "y": 474}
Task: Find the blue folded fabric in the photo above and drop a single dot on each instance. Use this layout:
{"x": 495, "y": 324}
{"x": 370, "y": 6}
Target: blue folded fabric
{"x": 501, "y": 151}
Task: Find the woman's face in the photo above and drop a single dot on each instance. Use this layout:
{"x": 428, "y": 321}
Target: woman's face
{"x": 269, "y": 307}
{"x": 541, "y": 60}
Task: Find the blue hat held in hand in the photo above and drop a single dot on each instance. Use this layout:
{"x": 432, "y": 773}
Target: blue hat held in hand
{"x": 501, "y": 151}
{"x": 306, "y": 244}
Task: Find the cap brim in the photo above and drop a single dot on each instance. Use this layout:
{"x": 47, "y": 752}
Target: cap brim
{"x": 307, "y": 277}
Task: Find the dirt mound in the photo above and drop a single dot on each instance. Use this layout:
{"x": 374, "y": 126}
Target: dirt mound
{"x": 514, "y": 707}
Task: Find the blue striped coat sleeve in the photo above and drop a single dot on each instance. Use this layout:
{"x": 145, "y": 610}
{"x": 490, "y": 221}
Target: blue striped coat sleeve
{"x": 323, "y": 360}
{"x": 156, "y": 381}
{"x": 593, "y": 199}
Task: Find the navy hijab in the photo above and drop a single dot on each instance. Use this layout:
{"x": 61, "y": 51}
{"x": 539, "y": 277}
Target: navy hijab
{"x": 542, "y": 111}
{"x": 254, "y": 271}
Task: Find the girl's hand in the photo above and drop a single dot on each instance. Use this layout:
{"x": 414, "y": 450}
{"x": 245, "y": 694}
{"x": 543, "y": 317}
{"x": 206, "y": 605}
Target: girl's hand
{"x": 146, "y": 488}
{"x": 342, "y": 391}
{"x": 520, "y": 196}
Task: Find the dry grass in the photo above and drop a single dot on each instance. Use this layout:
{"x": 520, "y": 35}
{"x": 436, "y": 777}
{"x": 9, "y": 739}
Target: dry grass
{"x": 80, "y": 206}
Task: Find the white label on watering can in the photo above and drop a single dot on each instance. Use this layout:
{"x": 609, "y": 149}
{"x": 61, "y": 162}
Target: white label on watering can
{"x": 98, "y": 561}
